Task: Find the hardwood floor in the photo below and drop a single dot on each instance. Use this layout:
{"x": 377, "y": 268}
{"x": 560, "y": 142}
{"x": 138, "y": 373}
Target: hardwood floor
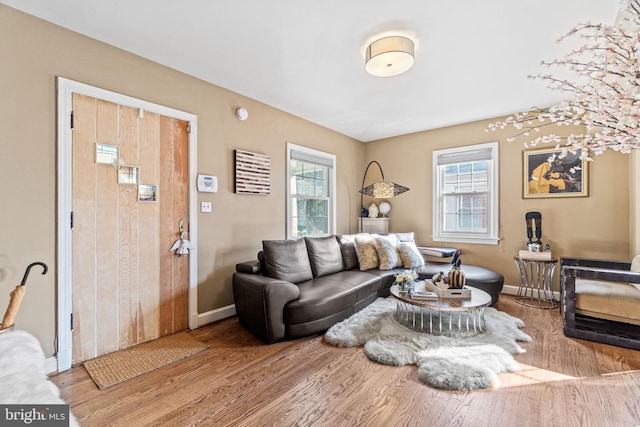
{"x": 241, "y": 382}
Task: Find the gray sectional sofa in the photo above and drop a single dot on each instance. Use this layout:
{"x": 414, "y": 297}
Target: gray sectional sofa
{"x": 303, "y": 286}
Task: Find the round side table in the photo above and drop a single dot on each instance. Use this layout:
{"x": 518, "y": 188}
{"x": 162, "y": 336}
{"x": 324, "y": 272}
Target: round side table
{"x": 536, "y": 276}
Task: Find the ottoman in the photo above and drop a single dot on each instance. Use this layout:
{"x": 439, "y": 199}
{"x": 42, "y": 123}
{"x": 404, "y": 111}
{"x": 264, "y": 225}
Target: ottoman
{"x": 479, "y": 277}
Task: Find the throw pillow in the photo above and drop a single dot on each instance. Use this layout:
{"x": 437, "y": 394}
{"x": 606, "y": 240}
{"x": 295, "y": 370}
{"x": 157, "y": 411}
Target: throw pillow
{"x": 387, "y": 249}
{"x": 405, "y": 237}
{"x": 348, "y": 249}
{"x": 325, "y": 256}
{"x": 410, "y": 255}
{"x": 287, "y": 260}
{"x": 366, "y": 251}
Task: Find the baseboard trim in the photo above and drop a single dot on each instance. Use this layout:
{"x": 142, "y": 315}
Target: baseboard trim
{"x": 51, "y": 365}
{"x": 513, "y": 290}
{"x": 217, "y": 314}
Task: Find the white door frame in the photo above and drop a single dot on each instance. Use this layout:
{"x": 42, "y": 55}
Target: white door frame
{"x": 66, "y": 88}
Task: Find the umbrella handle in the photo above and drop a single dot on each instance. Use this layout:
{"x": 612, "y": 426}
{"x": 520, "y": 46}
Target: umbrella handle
{"x": 26, "y": 273}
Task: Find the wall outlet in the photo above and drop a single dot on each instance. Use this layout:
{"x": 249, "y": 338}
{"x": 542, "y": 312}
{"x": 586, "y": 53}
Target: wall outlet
{"x": 205, "y": 207}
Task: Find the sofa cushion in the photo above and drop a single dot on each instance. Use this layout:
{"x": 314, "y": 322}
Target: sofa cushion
{"x": 410, "y": 255}
{"x": 609, "y": 300}
{"x": 287, "y": 260}
{"x": 319, "y": 298}
{"x": 325, "y": 255}
{"x": 387, "y": 250}
{"x": 366, "y": 251}
{"x": 348, "y": 249}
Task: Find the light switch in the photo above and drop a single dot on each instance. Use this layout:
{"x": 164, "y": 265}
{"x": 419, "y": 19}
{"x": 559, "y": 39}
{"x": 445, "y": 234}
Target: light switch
{"x": 205, "y": 207}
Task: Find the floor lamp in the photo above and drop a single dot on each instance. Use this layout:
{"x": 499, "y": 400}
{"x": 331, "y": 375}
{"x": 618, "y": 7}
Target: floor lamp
{"x": 378, "y": 190}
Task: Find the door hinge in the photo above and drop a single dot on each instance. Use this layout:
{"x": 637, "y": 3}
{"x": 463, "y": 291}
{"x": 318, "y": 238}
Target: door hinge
{"x": 71, "y": 120}
{"x": 189, "y": 128}
{"x": 71, "y": 221}
{"x": 72, "y": 321}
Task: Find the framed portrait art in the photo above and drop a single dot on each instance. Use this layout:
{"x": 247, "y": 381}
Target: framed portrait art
{"x": 546, "y": 175}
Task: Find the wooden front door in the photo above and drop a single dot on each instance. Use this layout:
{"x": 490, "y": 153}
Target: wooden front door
{"x": 127, "y": 287}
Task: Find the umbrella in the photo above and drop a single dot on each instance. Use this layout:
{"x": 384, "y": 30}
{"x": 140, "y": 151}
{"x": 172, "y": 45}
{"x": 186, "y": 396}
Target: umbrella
{"x": 16, "y": 298}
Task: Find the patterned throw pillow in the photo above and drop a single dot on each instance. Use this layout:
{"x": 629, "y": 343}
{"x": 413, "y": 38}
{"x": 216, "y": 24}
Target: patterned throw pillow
{"x": 387, "y": 249}
{"x": 410, "y": 255}
{"x": 366, "y": 251}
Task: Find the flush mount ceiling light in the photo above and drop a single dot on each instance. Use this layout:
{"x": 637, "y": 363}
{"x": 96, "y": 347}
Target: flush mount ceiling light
{"x": 389, "y": 56}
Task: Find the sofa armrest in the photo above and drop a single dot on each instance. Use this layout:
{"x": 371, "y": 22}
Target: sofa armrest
{"x": 437, "y": 252}
{"x": 249, "y": 267}
{"x": 260, "y": 302}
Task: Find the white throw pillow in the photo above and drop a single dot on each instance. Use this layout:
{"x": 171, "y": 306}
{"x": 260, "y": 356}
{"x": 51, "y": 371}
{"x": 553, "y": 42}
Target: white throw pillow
{"x": 410, "y": 255}
{"x": 366, "y": 252}
{"x": 387, "y": 249}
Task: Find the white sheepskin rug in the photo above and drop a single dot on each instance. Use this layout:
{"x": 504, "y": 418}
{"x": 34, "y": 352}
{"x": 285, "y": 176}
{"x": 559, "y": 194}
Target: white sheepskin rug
{"x": 22, "y": 373}
{"x": 445, "y": 362}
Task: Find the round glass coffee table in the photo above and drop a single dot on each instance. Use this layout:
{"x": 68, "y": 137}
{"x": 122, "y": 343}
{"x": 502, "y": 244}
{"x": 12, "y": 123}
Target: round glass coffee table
{"x": 442, "y": 316}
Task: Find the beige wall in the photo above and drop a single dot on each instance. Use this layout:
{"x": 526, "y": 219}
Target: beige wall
{"x": 33, "y": 54}
{"x": 596, "y": 226}
{"x": 634, "y": 204}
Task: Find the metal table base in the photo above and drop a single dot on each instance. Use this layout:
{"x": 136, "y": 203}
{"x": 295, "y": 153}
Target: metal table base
{"x": 439, "y": 321}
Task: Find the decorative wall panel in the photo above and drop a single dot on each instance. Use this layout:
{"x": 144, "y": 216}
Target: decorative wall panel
{"x": 252, "y": 173}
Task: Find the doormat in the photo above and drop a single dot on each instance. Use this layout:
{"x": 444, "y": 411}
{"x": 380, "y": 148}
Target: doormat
{"x": 120, "y": 366}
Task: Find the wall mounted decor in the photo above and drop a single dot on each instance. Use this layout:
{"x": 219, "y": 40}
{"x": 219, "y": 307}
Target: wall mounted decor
{"x": 547, "y": 175}
{"x": 128, "y": 175}
{"x": 252, "y": 173}
{"x": 107, "y": 154}
{"x": 147, "y": 193}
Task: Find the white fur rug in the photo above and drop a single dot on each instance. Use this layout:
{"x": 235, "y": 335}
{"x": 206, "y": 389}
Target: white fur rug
{"x": 443, "y": 362}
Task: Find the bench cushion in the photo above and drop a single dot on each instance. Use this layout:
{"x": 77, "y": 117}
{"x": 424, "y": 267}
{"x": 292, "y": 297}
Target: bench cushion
{"x": 608, "y": 300}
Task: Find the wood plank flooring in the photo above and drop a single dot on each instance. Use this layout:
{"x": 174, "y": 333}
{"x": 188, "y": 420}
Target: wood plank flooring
{"x": 239, "y": 381}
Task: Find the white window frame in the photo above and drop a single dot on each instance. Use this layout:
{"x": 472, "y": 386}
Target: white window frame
{"x": 462, "y": 154}
{"x": 324, "y": 158}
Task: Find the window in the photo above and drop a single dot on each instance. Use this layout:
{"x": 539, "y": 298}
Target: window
{"x": 311, "y": 207}
{"x": 465, "y": 194}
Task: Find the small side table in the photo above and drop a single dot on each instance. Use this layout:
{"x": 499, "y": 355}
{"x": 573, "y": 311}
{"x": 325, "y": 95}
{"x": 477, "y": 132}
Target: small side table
{"x": 536, "y": 276}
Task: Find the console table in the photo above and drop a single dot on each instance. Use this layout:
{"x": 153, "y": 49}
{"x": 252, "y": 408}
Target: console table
{"x": 373, "y": 225}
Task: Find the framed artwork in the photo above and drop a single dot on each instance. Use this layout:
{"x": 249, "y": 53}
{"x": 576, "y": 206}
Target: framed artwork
{"x": 545, "y": 175}
{"x": 147, "y": 193}
{"x": 252, "y": 173}
{"x": 128, "y": 175}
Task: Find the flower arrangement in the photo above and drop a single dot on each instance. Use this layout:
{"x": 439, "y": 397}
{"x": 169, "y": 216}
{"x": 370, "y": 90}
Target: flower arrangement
{"x": 405, "y": 279}
{"x": 604, "y": 97}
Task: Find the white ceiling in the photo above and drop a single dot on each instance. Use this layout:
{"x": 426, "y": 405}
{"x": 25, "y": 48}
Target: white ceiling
{"x": 306, "y": 57}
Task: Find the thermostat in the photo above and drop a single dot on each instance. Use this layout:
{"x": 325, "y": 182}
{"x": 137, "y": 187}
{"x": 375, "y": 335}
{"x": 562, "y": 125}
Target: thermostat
{"x": 207, "y": 183}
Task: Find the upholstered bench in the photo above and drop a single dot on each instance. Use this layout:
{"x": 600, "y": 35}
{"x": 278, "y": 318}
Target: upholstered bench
{"x": 479, "y": 277}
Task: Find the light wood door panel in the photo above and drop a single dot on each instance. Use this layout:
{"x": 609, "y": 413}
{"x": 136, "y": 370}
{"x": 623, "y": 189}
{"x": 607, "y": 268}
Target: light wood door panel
{"x": 127, "y": 287}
